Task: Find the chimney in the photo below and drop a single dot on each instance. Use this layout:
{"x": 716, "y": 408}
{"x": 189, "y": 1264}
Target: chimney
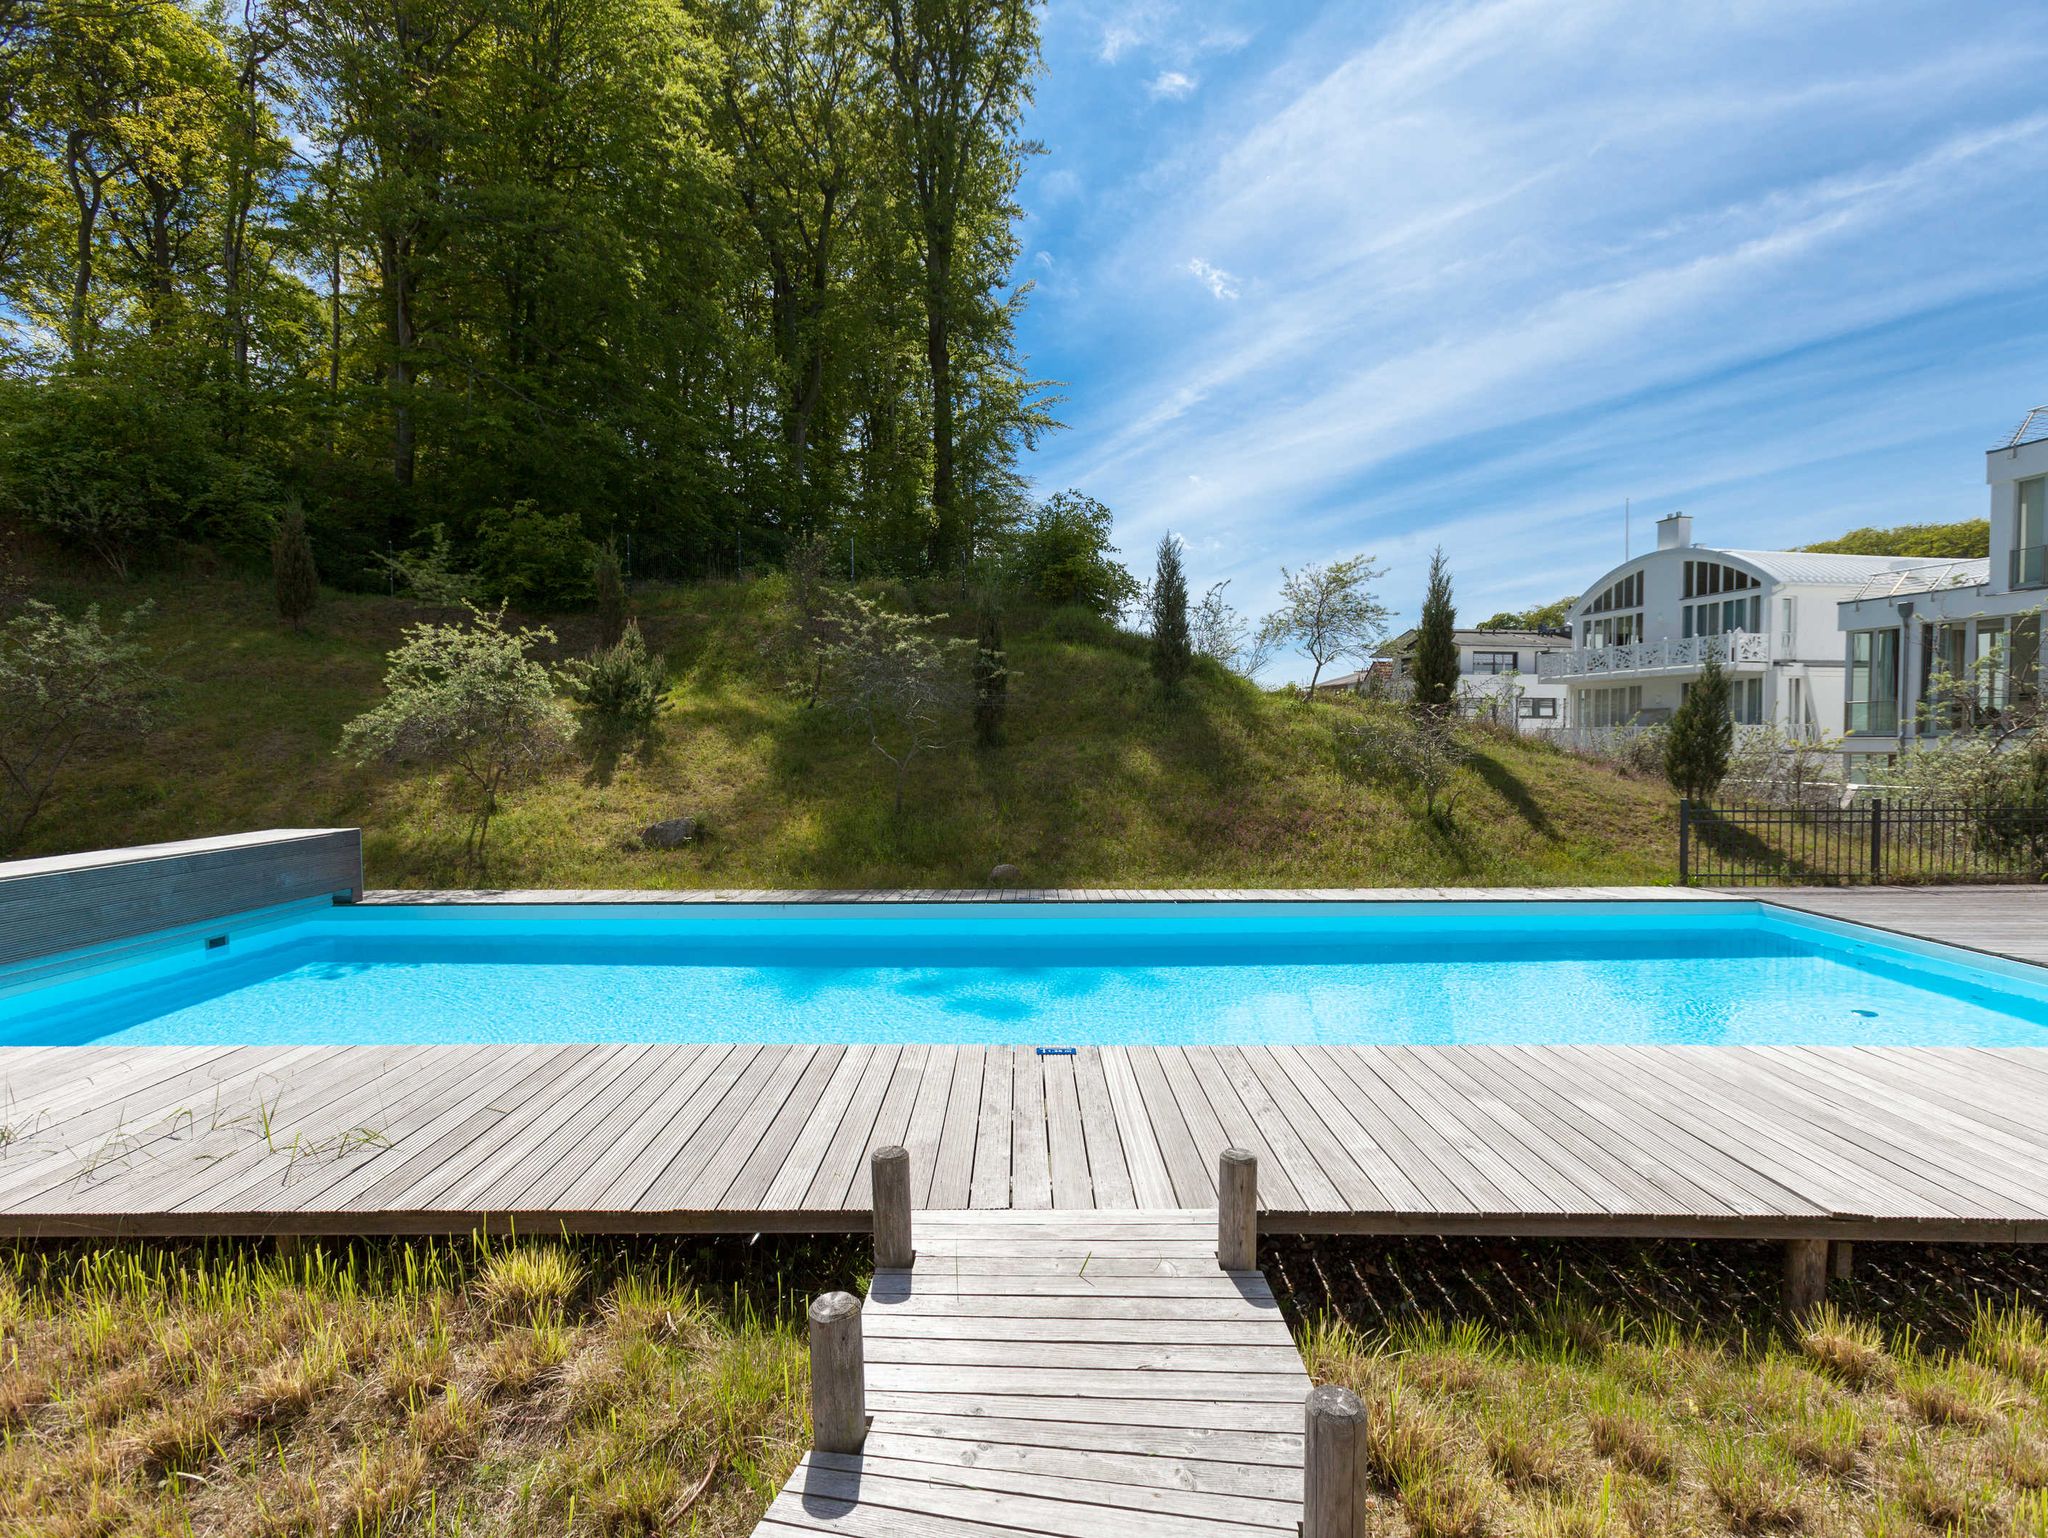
{"x": 1674, "y": 531}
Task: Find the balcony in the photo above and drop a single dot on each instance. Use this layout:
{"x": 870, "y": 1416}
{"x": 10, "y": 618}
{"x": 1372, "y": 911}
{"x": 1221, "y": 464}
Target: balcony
{"x": 1737, "y": 651}
{"x": 2030, "y": 566}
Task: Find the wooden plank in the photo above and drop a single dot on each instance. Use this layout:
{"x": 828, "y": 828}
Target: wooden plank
{"x": 1067, "y": 1146}
{"x": 952, "y": 1183}
{"x": 1030, "y": 1157}
{"x": 990, "y": 1186}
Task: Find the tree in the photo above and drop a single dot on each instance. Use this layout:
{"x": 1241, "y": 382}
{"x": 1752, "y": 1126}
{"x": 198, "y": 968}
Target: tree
{"x": 1970, "y": 539}
{"x": 294, "y": 578}
{"x": 1219, "y": 632}
{"x": 1064, "y": 556}
{"x": 623, "y": 689}
{"x": 1435, "y": 668}
{"x": 897, "y": 679}
{"x": 1544, "y": 616}
{"x": 1172, "y": 643}
{"x": 609, "y": 582}
{"x": 66, "y": 687}
{"x": 991, "y": 678}
{"x": 1421, "y": 752}
{"x": 1328, "y": 612}
{"x": 1701, "y": 736}
{"x": 472, "y": 697}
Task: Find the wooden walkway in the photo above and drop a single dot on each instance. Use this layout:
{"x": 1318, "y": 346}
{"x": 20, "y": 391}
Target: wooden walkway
{"x": 1078, "y": 1375}
{"x": 2010, "y": 921}
{"x": 1765, "y": 1142}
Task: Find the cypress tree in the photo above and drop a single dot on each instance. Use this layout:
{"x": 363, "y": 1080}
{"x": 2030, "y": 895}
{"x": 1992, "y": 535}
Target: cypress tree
{"x": 293, "y": 575}
{"x": 1436, "y": 647}
{"x": 609, "y": 582}
{"x": 1701, "y": 736}
{"x": 1173, "y": 648}
{"x": 991, "y": 679}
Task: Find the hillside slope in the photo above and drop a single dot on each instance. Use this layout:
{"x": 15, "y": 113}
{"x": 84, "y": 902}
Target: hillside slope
{"x": 1102, "y": 784}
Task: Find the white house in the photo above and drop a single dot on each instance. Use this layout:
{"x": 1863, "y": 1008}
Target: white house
{"x": 1646, "y": 628}
{"x": 1978, "y": 622}
{"x": 1498, "y": 671}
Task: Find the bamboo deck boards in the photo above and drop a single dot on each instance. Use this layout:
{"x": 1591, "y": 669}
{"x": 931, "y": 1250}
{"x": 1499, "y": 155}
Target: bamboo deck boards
{"x": 1070, "y": 1374}
{"x": 1769, "y": 1142}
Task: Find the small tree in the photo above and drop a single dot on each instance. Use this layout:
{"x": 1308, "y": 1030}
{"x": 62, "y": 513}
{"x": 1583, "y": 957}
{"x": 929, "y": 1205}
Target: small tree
{"x": 1064, "y": 556}
{"x": 623, "y": 689}
{"x": 991, "y": 678}
{"x": 1328, "y": 612}
{"x": 1220, "y": 632}
{"x": 66, "y": 687}
{"x": 1173, "y": 647}
{"x": 1435, "y": 668}
{"x": 895, "y": 677}
{"x": 1419, "y": 752}
{"x": 293, "y": 576}
{"x": 1701, "y": 736}
{"x": 608, "y": 581}
{"x": 472, "y": 697}
{"x": 432, "y": 575}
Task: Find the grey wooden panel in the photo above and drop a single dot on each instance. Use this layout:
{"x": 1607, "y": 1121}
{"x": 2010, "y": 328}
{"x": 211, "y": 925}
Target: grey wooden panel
{"x": 73, "y": 901}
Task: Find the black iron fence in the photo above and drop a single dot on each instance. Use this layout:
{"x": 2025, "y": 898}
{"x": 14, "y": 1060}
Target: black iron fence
{"x": 1869, "y": 842}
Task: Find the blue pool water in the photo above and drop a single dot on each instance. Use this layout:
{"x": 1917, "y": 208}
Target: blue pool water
{"x": 1066, "y": 974}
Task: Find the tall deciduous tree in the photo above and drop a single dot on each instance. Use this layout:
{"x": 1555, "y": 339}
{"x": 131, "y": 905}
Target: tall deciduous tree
{"x": 1435, "y": 668}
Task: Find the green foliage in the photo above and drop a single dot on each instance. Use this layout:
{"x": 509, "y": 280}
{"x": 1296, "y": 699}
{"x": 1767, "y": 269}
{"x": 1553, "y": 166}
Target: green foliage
{"x": 431, "y": 575}
{"x": 623, "y": 687}
{"x": 608, "y": 581}
{"x": 1328, "y": 612}
{"x": 1545, "y": 616}
{"x": 1173, "y": 651}
{"x": 1421, "y": 751}
{"x": 294, "y": 578}
{"x": 67, "y": 687}
{"x": 530, "y": 558}
{"x": 991, "y": 679}
{"x": 1968, "y": 540}
{"x": 1700, "y": 736}
{"x": 1435, "y": 665}
{"x": 897, "y": 679}
{"x": 1064, "y": 556}
{"x": 469, "y": 696}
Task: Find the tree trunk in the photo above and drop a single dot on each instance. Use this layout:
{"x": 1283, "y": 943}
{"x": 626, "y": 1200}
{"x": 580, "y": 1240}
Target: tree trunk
{"x": 944, "y": 548}
{"x": 398, "y": 373}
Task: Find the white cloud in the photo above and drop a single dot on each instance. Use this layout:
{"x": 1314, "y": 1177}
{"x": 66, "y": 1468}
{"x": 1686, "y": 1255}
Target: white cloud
{"x": 1171, "y": 84}
{"x": 1220, "y": 283}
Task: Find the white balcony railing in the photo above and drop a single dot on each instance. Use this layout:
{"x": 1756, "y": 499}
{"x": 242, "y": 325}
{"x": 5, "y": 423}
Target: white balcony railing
{"x": 1737, "y": 649}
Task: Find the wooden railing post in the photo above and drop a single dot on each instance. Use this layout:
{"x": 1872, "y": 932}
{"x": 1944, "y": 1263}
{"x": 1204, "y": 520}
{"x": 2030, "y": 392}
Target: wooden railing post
{"x": 839, "y": 1393}
{"x": 1237, "y": 1210}
{"x": 891, "y": 1171}
{"x": 1333, "y": 1460}
{"x": 1684, "y": 841}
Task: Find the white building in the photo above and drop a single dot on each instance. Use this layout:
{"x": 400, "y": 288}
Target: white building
{"x": 1646, "y": 628}
{"x": 1977, "y": 622}
{"x": 1498, "y": 672}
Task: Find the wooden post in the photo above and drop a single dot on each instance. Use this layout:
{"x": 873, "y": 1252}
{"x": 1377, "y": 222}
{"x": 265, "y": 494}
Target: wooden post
{"x": 1841, "y": 1259}
{"x": 1333, "y": 1465}
{"x": 1237, "y": 1210}
{"x": 1685, "y": 840}
{"x": 839, "y": 1395}
{"x": 891, "y": 1170}
{"x": 1806, "y": 1277}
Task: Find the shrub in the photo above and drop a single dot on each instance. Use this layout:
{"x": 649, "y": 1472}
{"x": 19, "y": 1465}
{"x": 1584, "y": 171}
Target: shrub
{"x": 294, "y": 578}
{"x": 896, "y": 679}
{"x": 528, "y": 557}
{"x": 431, "y": 575}
{"x": 1173, "y": 650}
{"x": 1701, "y": 736}
{"x": 1422, "y": 752}
{"x": 1064, "y": 556}
{"x": 623, "y": 687}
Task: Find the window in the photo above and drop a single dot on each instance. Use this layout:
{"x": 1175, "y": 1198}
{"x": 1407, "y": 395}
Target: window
{"x": 1873, "y": 681}
{"x": 1705, "y": 578}
{"x": 1625, "y": 594}
{"x": 2030, "y": 534}
{"x": 1536, "y": 710}
{"x": 1720, "y": 618}
{"x": 1496, "y": 662}
{"x": 1614, "y": 630}
{"x": 1745, "y": 700}
{"x": 1610, "y": 707}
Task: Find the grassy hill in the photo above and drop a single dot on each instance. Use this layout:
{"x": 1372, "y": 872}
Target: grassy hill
{"x": 1102, "y": 783}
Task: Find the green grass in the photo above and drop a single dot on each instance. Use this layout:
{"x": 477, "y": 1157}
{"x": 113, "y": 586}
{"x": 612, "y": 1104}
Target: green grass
{"x": 1102, "y": 783}
{"x": 403, "y": 1388}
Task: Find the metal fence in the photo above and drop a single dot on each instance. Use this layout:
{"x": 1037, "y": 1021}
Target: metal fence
{"x": 1871, "y": 842}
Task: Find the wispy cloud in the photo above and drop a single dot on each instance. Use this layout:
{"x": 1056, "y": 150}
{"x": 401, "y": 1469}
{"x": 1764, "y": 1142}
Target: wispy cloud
{"x": 1171, "y": 84}
{"x": 1220, "y": 283}
{"x": 1518, "y": 259}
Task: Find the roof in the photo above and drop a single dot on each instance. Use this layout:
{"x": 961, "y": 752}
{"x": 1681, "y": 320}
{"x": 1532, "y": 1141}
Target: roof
{"x": 1934, "y": 576}
{"x": 1810, "y": 566}
{"x": 2032, "y": 430}
{"x": 1483, "y": 640}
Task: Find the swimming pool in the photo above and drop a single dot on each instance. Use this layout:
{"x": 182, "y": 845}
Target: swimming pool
{"x": 1055, "y": 974}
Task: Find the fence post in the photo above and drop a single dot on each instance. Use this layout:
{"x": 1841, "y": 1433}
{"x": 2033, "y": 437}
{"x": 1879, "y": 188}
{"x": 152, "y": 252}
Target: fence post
{"x": 1877, "y": 839}
{"x": 891, "y": 1171}
{"x": 1684, "y": 841}
{"x": 1237, "y": 1210}
{"x": 1333, "y": 1464}
{"x": 839, "y": 1394}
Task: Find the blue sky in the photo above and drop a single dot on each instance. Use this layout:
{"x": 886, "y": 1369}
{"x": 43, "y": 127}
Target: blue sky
{"x": 1318, "y": 279}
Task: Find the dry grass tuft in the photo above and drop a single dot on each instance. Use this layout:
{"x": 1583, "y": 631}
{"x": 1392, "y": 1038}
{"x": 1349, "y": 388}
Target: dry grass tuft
{"x": 529, "y": 1283}
{"x": 1754, "y": 1483}
{"x": 1851, "y": 1349}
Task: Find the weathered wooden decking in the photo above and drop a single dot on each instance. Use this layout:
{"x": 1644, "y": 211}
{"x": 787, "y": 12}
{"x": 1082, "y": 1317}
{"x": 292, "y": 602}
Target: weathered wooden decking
{"x": 1783, "y": 1142}
{"x": 1068, "y": 1374}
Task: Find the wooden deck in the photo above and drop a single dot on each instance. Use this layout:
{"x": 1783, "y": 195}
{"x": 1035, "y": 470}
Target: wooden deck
{"x": 1778, "y": 1142}
{"x": 1066, "y": 1374}
{"x": 2010, "y": 921}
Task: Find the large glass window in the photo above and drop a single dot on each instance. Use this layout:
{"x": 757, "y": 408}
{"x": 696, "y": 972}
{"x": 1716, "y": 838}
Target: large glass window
{"x": 1720, "y": 618}
{"x": 1873, "y": 681}
{"x": 1705, "y": 578}
{"x": 2030, "y": 534}
{"x": 1601, "y": 708}
{"x": 1496, "y": 662}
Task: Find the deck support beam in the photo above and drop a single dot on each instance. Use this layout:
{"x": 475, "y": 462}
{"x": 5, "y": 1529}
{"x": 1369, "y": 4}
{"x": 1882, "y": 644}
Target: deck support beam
{"x": 839, "y": 1396}
{"x": 890, "y": 1168}
{"x": 1237, "y": 1210}
{"x": 1806, "y": 1278}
